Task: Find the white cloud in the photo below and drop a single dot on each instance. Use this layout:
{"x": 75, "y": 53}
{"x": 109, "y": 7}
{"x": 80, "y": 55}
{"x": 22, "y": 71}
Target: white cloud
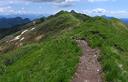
{"x": 98, "y": 10}
{"x": 101, "y": 11}
{"x": 71, "y": 0}
{"x": 56, "y": 1}
{"x": 100, "y": 0}
{"x": 66, "y": 3}
{"x": 119, "y": 12}
{"x": 5, "y": 9}
{"x": 60, "y": 3}
{"x": 95, "y": 11}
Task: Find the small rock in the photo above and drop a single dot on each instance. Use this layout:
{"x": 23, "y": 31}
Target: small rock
{"x": 85, "y": 80}
{"x": 98, "y": 70}
{"x": 94, "y": 55}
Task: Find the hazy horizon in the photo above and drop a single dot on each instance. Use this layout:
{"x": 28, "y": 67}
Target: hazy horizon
{"x": 115, "y": 8}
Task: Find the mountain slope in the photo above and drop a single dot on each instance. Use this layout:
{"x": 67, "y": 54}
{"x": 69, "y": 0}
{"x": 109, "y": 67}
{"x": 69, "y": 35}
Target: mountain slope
{"x": 11, "y": 22}
{"x": 11, "y": 25}
{"x": 39, "y": 30}
{"x": 49, "y": 52}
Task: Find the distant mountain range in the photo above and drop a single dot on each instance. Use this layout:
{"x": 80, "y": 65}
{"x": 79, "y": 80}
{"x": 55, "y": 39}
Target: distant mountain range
{"x": 30, "y": 16}
{"x": 11, "y": 22}
{"x": 11, "y": 25}
{"x": 125, "y": 20}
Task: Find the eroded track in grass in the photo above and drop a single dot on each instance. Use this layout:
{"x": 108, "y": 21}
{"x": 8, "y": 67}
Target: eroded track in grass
{"x": 89, "y": 69}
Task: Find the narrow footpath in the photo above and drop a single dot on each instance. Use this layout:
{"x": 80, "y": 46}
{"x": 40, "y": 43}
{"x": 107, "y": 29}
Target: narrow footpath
{"x": 89, "y": 69}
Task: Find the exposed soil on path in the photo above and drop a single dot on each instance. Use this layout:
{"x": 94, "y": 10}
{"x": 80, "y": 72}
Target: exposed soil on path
{"x": 89, "y": 69}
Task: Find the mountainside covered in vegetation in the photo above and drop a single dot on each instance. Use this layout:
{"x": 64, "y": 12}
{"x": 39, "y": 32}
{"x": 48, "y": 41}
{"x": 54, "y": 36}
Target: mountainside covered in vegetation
{"x": 11, "y": 25}
{"x": 46, "y": 50}
{"x": 11, "y": 22}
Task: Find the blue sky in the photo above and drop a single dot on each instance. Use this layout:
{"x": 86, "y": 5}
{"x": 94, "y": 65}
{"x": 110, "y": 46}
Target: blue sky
{"x": 116, "y": 8}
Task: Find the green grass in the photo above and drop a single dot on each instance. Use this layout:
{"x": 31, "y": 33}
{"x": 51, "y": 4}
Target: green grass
{"x": 113, "y": 43}
{"x": 51, "y": 61}
{"x": 55, "y": 58}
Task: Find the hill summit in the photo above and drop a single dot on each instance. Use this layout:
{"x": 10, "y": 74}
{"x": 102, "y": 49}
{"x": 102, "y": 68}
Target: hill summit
{"x": 46, "y": 49}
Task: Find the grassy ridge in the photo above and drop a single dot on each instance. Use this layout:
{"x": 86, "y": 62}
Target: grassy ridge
{"x": 54, "y": 59}
{"x": 113, "y": 43}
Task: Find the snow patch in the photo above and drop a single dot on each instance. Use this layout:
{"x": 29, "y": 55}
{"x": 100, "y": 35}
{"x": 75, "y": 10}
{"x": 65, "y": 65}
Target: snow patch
{"x": 19, "y": 36}
{"x": 24, "y": 32}
{"x": 22, "y": 39}
{"x": 32, "y": 28}
{"x": 16, "y": 38}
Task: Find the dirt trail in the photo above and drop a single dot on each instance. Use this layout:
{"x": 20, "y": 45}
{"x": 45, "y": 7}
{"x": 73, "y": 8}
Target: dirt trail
{"x": 89, "y": 69}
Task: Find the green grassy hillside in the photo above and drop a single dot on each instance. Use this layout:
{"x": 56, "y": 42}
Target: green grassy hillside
{"x": 55, "y": 57}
